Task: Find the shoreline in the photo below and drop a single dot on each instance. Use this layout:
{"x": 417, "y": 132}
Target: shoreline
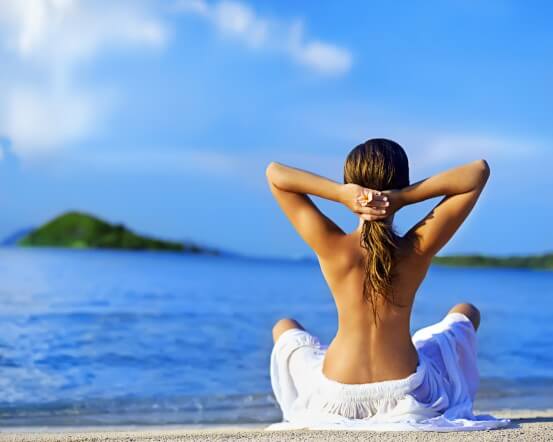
{"x": 527, "y": 425}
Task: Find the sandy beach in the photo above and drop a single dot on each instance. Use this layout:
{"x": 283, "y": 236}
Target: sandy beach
{"x": 527, "y": 425}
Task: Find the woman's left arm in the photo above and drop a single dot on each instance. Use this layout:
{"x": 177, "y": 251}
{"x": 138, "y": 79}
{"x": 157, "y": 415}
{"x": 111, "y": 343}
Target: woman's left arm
{"x": 290, "y": 187}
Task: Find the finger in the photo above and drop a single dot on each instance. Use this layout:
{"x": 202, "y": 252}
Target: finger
{"x": 379, "y": 204}
{"x": 372, "y": 217}
{"x": 380, "y": 197}
{"x": 372, "y": 211}
{"x": 362, "y": 197}
{"x": 368, "y": 195}
{"x": 360, "y": 208}
{"x": 360, "y": 202}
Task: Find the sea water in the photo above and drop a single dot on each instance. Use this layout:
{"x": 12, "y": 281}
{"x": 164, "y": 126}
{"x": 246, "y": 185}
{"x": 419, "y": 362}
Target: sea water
{"x": 108, "y": 337}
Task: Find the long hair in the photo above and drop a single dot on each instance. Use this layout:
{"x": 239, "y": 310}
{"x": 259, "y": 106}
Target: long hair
{"x": 378, "y": 164}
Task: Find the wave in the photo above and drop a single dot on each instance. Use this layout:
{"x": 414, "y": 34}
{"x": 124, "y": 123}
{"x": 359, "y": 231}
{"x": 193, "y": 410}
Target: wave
{"x": 144, "y": 411}
{"x": 494, "y": 393}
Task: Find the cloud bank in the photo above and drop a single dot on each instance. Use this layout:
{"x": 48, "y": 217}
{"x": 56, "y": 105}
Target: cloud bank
{"x": 43, "y": 42}
{"x": 237, "y": 20}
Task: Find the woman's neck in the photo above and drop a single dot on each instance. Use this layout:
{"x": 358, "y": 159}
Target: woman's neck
{"x": 362, "y": 221}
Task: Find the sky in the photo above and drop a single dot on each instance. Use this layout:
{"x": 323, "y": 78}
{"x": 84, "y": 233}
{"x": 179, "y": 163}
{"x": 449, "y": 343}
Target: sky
{"x": 164, "y": 114}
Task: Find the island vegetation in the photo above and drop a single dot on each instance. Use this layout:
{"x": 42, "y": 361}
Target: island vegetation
{"x": 82, "y": 230}
{"x": 85, "y": 231}
{"x": 544, "y": 261}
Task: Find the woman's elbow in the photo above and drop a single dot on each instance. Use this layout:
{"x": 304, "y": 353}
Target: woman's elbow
{"x": 269, "y": 169}
{"x": 483, "y": 170}
{"x": 271, "y": 172}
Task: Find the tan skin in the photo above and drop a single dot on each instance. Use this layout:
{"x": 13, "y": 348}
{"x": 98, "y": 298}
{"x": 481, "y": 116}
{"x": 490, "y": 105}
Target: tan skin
{"x": 362, "y": 351}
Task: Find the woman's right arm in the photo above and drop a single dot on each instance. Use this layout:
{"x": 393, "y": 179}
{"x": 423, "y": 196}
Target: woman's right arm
{"x": 460, "y": 186}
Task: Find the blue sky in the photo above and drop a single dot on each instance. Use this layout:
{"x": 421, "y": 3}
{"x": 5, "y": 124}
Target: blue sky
{"x": 163, "y": 115}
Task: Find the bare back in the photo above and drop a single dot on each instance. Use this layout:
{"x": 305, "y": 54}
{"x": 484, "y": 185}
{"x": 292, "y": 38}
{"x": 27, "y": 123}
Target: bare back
{"x": 362, "y": 352}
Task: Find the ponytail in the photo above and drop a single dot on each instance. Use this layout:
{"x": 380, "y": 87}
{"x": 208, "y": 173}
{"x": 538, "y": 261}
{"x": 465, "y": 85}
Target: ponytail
{"x": 378, "y": 164}
{"x": 380, "y": 241}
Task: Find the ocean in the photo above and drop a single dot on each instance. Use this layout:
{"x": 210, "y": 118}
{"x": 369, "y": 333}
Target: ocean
{"x": 111, "y": 337}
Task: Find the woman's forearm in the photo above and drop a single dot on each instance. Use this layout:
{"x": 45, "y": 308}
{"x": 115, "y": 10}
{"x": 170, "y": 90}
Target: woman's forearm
{"x": 295, "y": 180}
{"x": 454, "y": 181}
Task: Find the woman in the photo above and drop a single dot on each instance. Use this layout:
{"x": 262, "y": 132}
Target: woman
{"x": 374, "y": 374}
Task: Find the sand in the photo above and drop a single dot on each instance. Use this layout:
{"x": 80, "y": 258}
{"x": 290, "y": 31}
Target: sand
{"x": 527, "y": 425}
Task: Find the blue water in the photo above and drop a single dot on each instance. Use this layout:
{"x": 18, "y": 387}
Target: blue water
{"x": 103, "y": 337}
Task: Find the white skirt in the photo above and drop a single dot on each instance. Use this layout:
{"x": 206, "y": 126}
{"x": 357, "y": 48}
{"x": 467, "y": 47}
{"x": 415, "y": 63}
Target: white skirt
{"x": 437, "y": 397}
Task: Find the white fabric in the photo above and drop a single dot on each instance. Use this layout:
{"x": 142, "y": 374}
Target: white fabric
{"x": 437, "y": 397}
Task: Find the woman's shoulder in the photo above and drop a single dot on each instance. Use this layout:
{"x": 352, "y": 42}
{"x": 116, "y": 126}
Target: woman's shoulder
{"x": 347, "y": 255}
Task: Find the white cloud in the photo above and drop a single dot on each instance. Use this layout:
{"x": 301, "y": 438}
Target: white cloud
{"x": 239, "y": 21}
{"x": 68, "y": 30}
{"x": 245, "y": 167}
{"x": 346, "y": 124}
{"x": 441, "y": 149}
{"x": 165, "y": 161}
{"x": 42, "y": 43}
{"x": 323, "y": 57}
{"x": 39, "y": 120}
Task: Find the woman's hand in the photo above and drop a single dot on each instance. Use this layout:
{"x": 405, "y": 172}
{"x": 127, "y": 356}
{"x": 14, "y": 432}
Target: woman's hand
{"x": 395, "y": 200}
{"x": 370, "y": 205}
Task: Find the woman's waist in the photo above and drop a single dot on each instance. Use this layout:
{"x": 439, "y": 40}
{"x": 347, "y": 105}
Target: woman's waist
{"x": 355, "y": 361}
{"x": 339, "y": 390}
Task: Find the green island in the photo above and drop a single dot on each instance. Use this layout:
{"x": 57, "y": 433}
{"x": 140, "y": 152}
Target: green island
{"x": 544, "y": 261}
{"x": 84, "y": 231}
